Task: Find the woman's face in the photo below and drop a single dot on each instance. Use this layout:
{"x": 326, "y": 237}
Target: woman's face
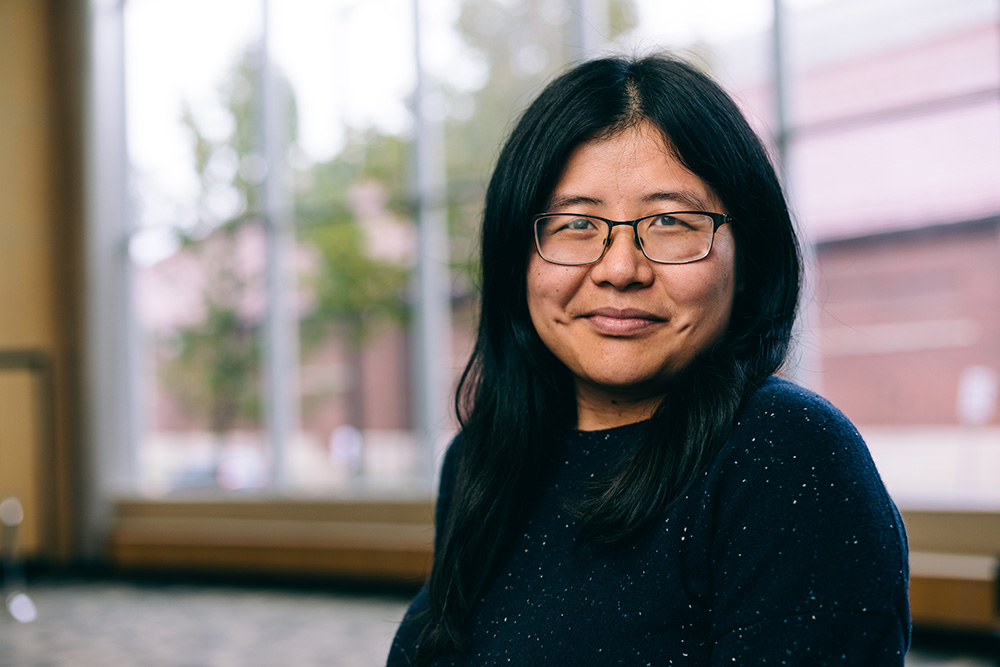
{"x": 624, "y": 324}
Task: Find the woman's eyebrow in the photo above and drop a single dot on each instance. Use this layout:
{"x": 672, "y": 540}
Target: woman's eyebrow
{"x": 679, "y": 197}
{"x": 683, "y": 198}
{"x": 566, "y": 201}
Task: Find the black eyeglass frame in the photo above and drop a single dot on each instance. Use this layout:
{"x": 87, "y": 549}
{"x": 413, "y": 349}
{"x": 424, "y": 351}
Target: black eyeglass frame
{"x": 718, "y": 219}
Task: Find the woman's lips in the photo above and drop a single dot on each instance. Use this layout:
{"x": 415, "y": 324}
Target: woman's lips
{"x": 622, "y": 322}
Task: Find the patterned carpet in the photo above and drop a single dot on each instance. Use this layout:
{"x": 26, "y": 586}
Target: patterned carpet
{"x": 124, "y": 624}
{"x": 104, "y": 624}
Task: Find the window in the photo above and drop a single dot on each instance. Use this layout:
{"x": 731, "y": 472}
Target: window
{"x": 279, "y": 336}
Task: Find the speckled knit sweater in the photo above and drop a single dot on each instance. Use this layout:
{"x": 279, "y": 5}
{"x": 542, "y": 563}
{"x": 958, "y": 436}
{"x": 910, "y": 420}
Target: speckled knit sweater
{"x": 785, "y": 551}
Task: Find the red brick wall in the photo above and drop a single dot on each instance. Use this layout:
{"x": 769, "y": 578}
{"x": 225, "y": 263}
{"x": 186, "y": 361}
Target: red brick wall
{"x": 901, "y": 316}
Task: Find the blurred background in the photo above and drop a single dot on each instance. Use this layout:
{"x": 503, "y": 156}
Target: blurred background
{"x": 238, "y": 271}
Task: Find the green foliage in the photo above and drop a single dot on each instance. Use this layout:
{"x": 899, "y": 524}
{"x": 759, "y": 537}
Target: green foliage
{"x": 215, "y": 366}
{"x": 367, "y": 156}
{"x": 215, "y": 372}
{"x": 351, "y": 288}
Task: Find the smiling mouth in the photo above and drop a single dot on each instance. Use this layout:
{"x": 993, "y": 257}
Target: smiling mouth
{"x": 627, "y": 322}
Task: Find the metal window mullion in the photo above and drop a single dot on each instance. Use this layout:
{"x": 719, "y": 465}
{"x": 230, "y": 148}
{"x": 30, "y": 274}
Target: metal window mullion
{"x": 590, "y": 28}
{"x": 432, "y": 358}
{"x": 280, "y": 344}
{"x": 111, "y": 406}
{"x": 805, "y": 366}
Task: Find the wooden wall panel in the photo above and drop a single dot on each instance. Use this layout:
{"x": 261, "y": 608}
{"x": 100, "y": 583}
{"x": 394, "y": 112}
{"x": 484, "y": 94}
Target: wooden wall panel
{"x": 40, "y": 218}
{"x": 19, "y": 452}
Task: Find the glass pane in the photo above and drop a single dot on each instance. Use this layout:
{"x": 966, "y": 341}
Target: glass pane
{"x": 187, "y": 67}
{"x": 355, "y": 211}
{"x": 876, "y": 154}
{"x": 198, "y": 249}
{"x": 355, "y": 355}
{"x": 895, "y": 161}
{"x": 355, "y": 244}
{"x": 201, "y": 311}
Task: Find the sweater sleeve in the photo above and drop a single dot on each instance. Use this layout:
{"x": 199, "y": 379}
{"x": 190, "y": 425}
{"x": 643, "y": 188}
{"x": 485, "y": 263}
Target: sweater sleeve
{"x": 809, "y": 556}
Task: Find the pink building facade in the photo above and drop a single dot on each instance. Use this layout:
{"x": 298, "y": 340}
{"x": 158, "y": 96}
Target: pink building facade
{"x": 894, "y": 174}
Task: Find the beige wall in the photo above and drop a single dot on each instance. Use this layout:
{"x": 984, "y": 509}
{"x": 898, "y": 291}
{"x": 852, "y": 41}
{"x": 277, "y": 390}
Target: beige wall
{"x": 38, "y": 232}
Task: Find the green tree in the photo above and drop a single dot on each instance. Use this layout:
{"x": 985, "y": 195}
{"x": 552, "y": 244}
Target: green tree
{"x": 215, "y": 370}
{"x": 353, "y": 290}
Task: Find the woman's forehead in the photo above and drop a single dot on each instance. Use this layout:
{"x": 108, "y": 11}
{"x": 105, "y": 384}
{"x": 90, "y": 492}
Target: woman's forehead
{"x": 634, "y": 167}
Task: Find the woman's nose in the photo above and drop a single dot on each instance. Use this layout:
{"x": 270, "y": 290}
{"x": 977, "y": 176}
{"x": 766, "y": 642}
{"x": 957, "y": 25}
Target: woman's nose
{"x": 623, "y": 264}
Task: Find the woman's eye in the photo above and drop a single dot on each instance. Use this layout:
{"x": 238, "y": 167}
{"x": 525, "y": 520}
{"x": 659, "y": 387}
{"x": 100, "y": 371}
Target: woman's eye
{"x": 579, "y": 224}
{"x": 665, "y": 221}
{"x": 672, "y": 223}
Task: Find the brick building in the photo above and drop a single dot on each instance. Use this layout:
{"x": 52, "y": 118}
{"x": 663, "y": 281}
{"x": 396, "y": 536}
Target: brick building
{"x": 894, "y": 166}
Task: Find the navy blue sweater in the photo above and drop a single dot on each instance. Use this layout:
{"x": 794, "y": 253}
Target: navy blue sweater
{"x": 785, "y": 551}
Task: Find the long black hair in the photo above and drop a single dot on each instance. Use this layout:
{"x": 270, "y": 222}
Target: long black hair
{"x": 515, "y": 400}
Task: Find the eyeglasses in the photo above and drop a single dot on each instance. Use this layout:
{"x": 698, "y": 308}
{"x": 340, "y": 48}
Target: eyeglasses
{"x": 666, "y": 238}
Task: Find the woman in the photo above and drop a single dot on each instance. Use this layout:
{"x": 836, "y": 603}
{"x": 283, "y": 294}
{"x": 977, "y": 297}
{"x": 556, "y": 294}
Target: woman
{"x": 631, "y": 485}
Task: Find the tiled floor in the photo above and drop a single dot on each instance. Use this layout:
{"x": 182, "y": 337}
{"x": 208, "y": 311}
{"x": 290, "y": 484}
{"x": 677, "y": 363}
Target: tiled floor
{"x": 120, "y": 624}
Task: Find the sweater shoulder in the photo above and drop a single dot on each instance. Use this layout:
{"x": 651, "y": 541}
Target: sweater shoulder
{"x": 780, "y": 394}
{"x": 790, "y": 440}
{"x": 798, "y": 516}
{"x": 781, "y": 413}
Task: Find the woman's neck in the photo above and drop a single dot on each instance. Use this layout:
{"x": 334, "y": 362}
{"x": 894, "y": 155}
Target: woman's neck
{"x": 598, "y": 408}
